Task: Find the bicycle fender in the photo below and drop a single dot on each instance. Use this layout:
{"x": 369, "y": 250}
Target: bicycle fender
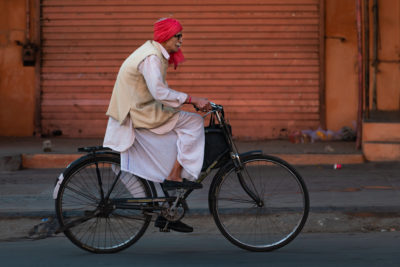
{"x": 77, "y": 161}
{"x": 60, "y": 178}
{"x": 57, "y": 186}
{"x": 251, "y": 152}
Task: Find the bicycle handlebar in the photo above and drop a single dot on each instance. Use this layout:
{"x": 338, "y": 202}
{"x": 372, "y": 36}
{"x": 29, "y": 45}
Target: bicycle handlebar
{"x": 215, "y": 106}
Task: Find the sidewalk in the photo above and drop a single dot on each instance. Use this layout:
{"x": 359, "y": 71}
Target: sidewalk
{"x": 28, "y": 152}
{"x": 358, "y": 197}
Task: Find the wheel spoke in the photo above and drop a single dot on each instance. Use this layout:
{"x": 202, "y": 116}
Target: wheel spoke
{"x": 88, "y": 197}
{"x": 237, "y": 200}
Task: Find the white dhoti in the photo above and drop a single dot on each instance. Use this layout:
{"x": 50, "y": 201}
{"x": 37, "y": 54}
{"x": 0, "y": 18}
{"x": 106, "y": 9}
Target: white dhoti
{"x": 151, "y": 154}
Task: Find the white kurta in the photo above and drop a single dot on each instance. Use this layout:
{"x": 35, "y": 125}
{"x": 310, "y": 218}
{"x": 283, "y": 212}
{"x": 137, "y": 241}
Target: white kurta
{"x": 151, "y": 154}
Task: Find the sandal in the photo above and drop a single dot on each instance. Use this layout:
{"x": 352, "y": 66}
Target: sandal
{"x": 176, "y": 226}
{"x": 185, "y": 184}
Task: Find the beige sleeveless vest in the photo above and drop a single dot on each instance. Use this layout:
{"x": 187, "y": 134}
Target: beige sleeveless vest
{"x": 131, "y": 95}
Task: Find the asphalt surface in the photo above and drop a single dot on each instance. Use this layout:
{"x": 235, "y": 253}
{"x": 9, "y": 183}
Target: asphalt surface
{"x": 356, "y": 198}
{"x": 175, "y": 249}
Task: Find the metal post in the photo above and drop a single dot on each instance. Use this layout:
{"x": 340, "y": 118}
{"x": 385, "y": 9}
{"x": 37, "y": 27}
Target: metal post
{"x": 37, "y": 118}
{"x": 360, "y": 75}
{"x": 322, "y": 93}
{"x": 375, "y": 54}
{"x": 28, "y": 20}
{"x": 366, "y": 56}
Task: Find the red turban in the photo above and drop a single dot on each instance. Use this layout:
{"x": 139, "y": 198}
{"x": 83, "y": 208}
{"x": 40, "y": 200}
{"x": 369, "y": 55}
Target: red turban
{"x": 164, "y": 30}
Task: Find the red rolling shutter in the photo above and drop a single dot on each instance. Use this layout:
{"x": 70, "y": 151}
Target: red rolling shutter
{"x": 259, "y": 58}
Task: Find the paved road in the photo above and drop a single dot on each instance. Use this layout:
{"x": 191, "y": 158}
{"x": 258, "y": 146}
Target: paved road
{"x": 175, "y": 249}
{"x": 356, "y": 198}
{"x": 364, "y": 197}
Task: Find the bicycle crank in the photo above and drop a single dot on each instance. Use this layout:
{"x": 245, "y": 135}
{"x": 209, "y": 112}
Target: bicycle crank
{"x": 176, "y": 211}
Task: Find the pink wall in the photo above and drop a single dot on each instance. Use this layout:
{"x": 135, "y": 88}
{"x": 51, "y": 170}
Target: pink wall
{"x": 17, "y": 83}
{"x": 17, "y": 88}
{"x": 341, "y": 64}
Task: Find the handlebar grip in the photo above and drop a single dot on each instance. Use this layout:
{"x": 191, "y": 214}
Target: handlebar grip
{"x": 215, "y": 106}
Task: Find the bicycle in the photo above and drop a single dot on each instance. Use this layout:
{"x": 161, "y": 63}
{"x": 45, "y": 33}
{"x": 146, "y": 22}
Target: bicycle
{"x": 259, "y": 202}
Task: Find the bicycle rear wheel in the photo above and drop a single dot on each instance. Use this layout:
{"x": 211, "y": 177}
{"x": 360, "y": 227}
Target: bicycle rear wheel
{"x": 261, "y": 208}
{"x": 91, "y": 223}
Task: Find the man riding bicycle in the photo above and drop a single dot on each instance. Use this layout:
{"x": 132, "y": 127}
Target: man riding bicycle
{"x": 157, "y": 141}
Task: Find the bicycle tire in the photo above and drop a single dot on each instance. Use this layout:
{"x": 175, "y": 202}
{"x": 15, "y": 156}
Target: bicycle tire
{"x": 79, "y": 195}
{"x": 281, "y": 213}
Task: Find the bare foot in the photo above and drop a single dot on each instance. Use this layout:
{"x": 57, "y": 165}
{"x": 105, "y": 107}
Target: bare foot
{"x": 175, "y": 179}
{"x": 175, "y": 174}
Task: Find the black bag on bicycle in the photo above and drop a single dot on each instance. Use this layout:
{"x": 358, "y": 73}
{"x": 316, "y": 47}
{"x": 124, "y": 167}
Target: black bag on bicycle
{"x": 216, "y": 145}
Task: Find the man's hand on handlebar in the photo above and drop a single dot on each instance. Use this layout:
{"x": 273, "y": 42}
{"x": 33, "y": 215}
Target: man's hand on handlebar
{"x": 201, "y": 103}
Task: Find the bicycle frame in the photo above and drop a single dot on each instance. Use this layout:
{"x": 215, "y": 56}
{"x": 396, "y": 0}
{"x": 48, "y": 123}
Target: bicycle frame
{"x": 112, "y": 209}
{"x": 137, "y": 203}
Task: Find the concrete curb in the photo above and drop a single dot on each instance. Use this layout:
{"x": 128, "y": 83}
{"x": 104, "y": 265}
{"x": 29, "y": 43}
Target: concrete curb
{"x": 52, "y": 160}
{"x": 48, "y": 161}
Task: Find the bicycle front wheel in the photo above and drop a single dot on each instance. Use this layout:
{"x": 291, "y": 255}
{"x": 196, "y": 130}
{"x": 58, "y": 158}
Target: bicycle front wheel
{"x": 93, "y": 223}
{"x": 263, "y": 206}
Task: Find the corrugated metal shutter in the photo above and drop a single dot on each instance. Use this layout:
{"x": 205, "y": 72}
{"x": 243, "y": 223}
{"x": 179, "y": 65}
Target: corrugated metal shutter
{"x": 260, "y": 59}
